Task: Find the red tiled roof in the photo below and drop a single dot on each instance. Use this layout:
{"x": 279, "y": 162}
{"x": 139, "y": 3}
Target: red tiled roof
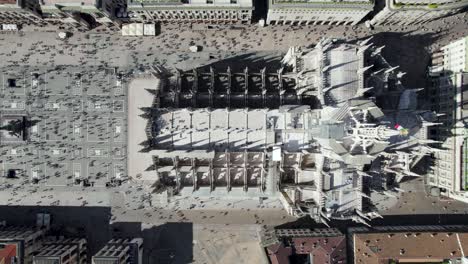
{"x": 377, "y": 248}
{"x": 8, "y": 2}
{"x": 326, "y": 250}
{"x": 7, "y": 253}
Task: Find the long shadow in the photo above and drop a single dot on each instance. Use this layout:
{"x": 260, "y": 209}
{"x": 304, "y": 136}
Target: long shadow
{"x": 411, "y": 52}
{"x": 408, "y": 51}
{"x": 89, "y": 222}
{"x": 389, "y": 220}
{"x": 166, "y": 243}
{"x": 169, "y": 243}
{"x": 254, "y": 60}
{"x": 260, "y": 10}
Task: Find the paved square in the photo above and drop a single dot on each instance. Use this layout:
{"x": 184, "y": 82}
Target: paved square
{"x": 76, "y": 125}
{"x": 57, "y": 82}
{"x": 56, "y": 128}
{"x": 98, "y": 129}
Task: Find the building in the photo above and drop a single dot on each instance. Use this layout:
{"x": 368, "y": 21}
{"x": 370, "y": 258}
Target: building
{"x": 8, "y": 254}
{"x": 120, "y": 251}
{"x": 85, "y": 14}
{"x": 81, "y": 14}
{"x": 290, "y": 12}
{"x": 306, "y": 134}
{"x": 285, "y": 246}
{"x": 409, "y": 12}
{"x": 408, "y": 245}
{"x": 62, "y": 251}
{"x": 193, "y": 11}
{"x": 19, "y": 244}
{"x": 449, "y": 97}
{"x": 19, "y": 12}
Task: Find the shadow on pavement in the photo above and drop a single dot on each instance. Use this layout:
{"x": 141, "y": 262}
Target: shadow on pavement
{"x": 389, "y": 220}
{"x": 166, "y": 243}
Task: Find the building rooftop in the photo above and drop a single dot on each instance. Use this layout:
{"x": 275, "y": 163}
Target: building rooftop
{"x": 195, "y": 3}
{"x": 7, "y": 252}
{"x": 212, "y": 133}
{"x": 7, "y": 2}
{"x": 119, "y": 251}
{"x": 316, "y": 3}
{"x": 379, "y": 248}
{"x": 68, "y": 2}
{"x": 18, "y": 233}
{"x": 300, "y": 244}
{"x": 219, "y": 129}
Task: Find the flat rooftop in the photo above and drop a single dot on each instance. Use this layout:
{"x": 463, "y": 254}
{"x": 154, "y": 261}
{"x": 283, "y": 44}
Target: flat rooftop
{"x": 239, "y": 129}
{"x": 139, "y": 97}
{"x": 341, "y": 74}
{"x": 7, "y": 2}
{"x": 315, "y": 4}
{"x": 69, "y": 2}
{"x": 196, "y": 3}
{"x": 416, "y": 246}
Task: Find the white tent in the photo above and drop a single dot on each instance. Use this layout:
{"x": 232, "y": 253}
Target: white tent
{"x": 149, "y": 29}
{"x": 10, "y": 27}
{"x": 62, "y": 35}
{"x": 138, "y": 29}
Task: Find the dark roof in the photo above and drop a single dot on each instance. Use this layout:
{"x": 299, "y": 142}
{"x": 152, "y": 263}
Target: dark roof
{"x": 325, "y": 248}
{"x": 7, "y": 2}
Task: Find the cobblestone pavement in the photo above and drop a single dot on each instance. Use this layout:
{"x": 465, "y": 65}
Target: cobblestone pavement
{"x": 214, "y": 239}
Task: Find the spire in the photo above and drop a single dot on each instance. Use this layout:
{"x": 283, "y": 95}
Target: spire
{"x": 364, "y": 42}
{"x": 362, "y": 70}
{"x": 389, "y": 70}
{"x": 377, "y": 51}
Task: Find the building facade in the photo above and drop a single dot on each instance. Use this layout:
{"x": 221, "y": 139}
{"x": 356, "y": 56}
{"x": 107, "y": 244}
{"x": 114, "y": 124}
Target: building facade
{"x": 449, "y": 97}
{"x": 192, "y": 11}
{"x": 81, "y": 14}
{"x": 303, "y": 134}
{"x": 404, "y": 12}
{"x": 310, "y": 12}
